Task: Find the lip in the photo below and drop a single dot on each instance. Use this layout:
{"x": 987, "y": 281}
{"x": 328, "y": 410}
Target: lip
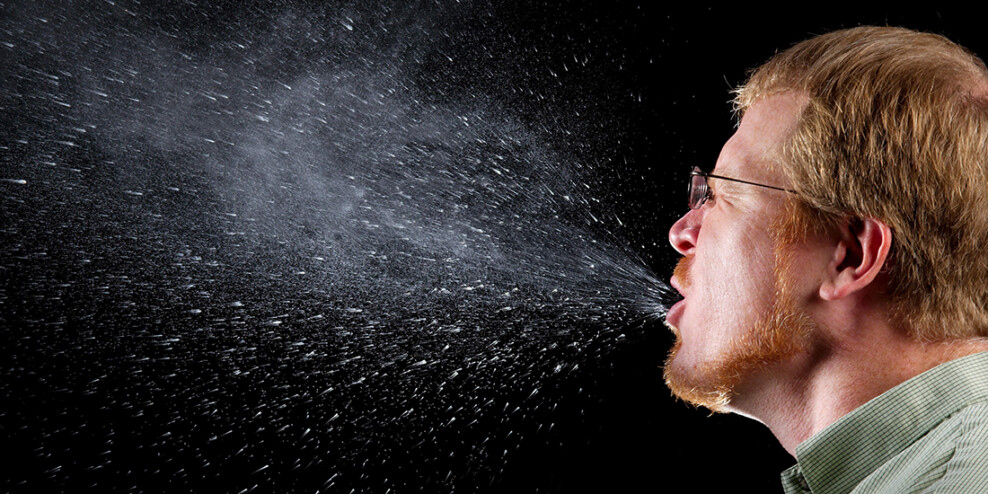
{"x": 674, "y": 283}
{"x": 675, "y": 312}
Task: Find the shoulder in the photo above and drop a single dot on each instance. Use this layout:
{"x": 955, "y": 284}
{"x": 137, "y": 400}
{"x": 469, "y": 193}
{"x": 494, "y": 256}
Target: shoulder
{"x": 962, "y": 442}
{"x": 952, "y": 457}
{"x": 967, "y": 468}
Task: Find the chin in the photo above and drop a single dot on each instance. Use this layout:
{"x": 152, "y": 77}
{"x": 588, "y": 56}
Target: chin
{"x": 698, "y": 383}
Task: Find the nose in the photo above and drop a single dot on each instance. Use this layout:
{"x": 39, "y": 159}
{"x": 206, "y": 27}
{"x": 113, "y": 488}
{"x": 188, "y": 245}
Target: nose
{"x": 685, "y": 231}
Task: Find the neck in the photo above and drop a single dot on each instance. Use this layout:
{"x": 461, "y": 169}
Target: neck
{"x": 831, "y": 379}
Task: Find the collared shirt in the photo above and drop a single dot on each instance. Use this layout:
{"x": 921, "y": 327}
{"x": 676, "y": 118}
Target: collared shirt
{"x": 928, "y": 434}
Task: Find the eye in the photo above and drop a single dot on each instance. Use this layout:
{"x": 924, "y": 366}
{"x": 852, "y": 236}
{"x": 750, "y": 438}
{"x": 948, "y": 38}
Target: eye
{"x": 708, "y": 191}
{"x": 699, "y": 191}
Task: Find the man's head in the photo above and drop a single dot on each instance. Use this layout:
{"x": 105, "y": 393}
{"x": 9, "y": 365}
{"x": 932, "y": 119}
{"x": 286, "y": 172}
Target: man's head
{"x": 896, "y": 129}
{"x": 881, "y": 127}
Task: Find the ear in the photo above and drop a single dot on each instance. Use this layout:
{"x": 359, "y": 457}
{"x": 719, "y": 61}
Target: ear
{"x": 859, "y": 256}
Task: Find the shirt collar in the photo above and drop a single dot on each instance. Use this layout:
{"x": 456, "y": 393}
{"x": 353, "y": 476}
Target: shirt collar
{"x": 840, "y": 456}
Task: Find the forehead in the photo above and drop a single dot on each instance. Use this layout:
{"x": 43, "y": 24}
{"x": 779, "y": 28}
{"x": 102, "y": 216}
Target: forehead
{"x": 754, "y": 151}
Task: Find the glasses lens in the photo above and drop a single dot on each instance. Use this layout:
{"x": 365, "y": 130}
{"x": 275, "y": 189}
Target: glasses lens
{"x": 698, "y": 191}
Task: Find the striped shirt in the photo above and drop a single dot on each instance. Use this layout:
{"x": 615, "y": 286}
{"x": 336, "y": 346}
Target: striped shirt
{"x": 928, "y": 434}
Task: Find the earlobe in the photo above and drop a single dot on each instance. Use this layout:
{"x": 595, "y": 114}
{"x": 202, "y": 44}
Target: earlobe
{"x": 828, "y": 289}
{"x": 859, "y": 257}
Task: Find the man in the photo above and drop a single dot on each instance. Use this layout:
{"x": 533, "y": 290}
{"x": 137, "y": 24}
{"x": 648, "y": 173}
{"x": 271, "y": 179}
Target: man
{"x": 834, "y": 282}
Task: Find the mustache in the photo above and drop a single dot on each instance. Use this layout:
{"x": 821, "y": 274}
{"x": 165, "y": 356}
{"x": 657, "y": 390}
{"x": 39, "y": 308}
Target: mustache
{"x": 682, "y": 271}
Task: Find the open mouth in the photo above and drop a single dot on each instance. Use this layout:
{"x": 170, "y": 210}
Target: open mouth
{"x": 673, "y": 299}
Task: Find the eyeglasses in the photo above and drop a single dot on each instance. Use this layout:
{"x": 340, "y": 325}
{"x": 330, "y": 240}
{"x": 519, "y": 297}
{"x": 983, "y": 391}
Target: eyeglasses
{"x": 699, "y": 190}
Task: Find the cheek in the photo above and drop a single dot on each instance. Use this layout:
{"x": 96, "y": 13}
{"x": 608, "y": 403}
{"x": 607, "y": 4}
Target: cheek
{"x": 740, "y": 275}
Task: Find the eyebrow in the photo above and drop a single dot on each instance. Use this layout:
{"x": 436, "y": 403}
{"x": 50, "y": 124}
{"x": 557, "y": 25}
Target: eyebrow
{"x": 723, "y": 187}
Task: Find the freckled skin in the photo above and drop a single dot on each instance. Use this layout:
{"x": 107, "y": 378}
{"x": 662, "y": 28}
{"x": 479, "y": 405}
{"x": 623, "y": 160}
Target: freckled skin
{"x": 730, "y": 286}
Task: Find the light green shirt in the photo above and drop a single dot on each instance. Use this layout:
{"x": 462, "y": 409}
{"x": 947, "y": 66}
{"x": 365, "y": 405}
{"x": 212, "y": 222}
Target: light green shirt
{"x": 928, "y": 434}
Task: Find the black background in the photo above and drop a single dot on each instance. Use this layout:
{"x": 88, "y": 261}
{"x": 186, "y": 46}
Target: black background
{"x": 652, "y": 102}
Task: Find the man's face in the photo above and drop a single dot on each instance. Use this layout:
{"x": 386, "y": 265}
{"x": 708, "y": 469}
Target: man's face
{"x": 737, "y": 315}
